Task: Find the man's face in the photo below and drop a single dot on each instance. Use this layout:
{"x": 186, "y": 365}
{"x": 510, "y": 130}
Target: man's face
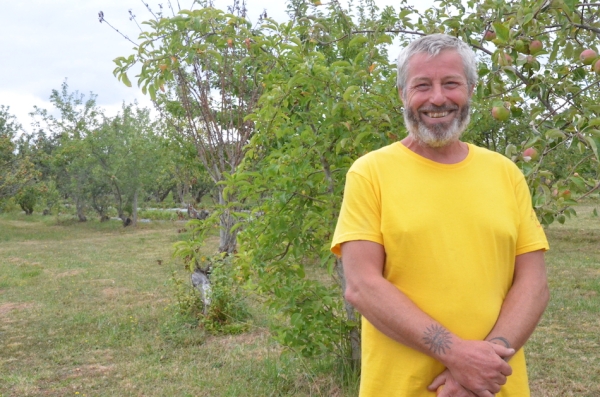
{"x": 436, "y": 98}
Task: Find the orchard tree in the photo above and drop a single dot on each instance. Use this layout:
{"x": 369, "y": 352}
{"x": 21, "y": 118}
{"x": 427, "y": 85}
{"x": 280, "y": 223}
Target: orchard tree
{"x": 128, "y": 158}
{"x": 77, "y": 118}
{"x": 17, "y": 172}
{"x": 332, "y": 98}
{"x": 203, "y": 67}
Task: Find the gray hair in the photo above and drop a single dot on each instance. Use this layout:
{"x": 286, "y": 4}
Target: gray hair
{"x": 434, "y": 44}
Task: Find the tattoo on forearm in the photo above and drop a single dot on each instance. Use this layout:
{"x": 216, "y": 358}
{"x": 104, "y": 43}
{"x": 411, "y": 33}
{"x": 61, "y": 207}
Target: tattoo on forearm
{"x": 438, "y": 339}
{"x": 504, "y": 341}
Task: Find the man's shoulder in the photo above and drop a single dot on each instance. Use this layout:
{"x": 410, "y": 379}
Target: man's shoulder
{"x": 490, "y": 156}
{"x": 382, "y": 154}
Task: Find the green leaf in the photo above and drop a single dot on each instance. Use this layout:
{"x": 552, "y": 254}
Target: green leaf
{"x": 350, "y": 92}
{"x": 592, "y": 144}
{"x": 502, "y": 31}
{"x": 555, "y": 134}
{"x": 357, "y": 41}
{"x": 384, "y": 38}
{"x": 571, "y": 4}
{"x": 360, "y": 137}
{"x": 125, "y": 79}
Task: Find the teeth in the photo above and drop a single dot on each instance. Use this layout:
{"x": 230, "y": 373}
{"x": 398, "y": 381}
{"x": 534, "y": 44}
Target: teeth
{"x": 438, "y": 115}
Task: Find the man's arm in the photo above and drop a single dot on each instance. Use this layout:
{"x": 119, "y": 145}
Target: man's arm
{"x": 522, "y": 308}
{"x": 477, "y": 365}
{"x": 525, "y": 302}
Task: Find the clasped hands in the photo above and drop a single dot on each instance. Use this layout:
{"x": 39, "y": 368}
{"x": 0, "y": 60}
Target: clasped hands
{"x": 474, "y": 369}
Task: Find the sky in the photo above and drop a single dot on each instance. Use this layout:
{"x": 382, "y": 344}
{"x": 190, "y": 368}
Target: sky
{"x": 45, "y": 42}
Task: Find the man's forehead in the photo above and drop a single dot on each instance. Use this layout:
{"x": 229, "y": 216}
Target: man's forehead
{"x": 424, "y": 66}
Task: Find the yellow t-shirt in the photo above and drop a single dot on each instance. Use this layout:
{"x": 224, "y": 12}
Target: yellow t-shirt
{"x": 451, "y": 233}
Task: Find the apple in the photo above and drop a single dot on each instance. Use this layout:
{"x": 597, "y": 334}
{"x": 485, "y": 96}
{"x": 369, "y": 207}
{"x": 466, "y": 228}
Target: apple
{"x": 588, "y": 56}
{"x": 535, "y": 46}
{"x": 521, "y": 47}
{"x": 566, "y": 194}
{"x": 230, "y": 43}
{"x": 489, "y": 35}
{"x": 505, "y": 59}
{"x": 596, "y": 67}
{"x": 247, "y": 42}
{"x": 500, "y": 113}
{"x": 530, "y": 154}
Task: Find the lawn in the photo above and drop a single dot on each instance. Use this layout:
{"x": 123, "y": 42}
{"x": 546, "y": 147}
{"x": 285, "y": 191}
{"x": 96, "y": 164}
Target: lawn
{"x": 88, "y": 309}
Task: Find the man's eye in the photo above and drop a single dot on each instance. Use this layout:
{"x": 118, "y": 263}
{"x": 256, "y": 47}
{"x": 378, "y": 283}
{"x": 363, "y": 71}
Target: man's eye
{"x": 422, "y": 87}
{"x": 452, "y": 84}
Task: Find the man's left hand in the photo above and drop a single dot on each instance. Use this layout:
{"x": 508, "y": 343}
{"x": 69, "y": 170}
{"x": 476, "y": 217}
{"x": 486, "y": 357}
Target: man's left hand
{"x": 446, "y": 386}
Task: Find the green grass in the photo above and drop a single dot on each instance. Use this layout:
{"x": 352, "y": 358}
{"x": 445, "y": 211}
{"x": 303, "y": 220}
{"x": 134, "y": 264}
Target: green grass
{"x": 564, "y": 351}
{"x": 86, "y": 309}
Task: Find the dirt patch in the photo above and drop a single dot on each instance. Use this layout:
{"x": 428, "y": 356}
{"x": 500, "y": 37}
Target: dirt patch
{"x": 99, "y": 281}
{"x": 69, "y": 273}
{"x": 6, "y": 308}
{"x": 237, "y": 340}
{"x": 90, "y": 370}
{"x": 114, "y": 292}
{"x": 21, "y": 224}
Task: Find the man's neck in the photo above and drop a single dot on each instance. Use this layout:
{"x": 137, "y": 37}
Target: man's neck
{"x": 453, "y": 153}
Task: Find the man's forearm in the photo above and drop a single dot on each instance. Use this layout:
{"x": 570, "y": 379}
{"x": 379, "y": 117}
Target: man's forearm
{"x": 524, "y": 304}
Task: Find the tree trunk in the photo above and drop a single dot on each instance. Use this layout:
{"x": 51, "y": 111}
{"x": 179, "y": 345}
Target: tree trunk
{"x": 80, "y": 207}
{"x": 134, "y": 212}
{"x": 354, "y": 334}
{"x": 228, "y": 238}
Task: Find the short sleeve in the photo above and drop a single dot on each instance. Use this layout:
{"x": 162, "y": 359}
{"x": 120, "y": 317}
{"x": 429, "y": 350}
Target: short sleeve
{"x": 531, "y": 233}
{"x": 360, "y": 215}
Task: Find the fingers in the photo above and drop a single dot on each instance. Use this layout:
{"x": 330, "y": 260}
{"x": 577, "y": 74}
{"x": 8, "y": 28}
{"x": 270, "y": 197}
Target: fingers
{"x": 503, "y": 351}
{"x": 438, "y": 381}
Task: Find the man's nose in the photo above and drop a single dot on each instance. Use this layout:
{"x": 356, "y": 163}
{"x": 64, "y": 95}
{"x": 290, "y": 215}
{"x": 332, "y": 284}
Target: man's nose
{"x": 437, "y": 95}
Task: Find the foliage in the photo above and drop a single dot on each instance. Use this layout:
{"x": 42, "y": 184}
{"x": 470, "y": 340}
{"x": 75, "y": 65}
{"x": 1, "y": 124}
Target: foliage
{"x": 202, "y": 68}
{"x": 27, "y": 198}
{"x": 228, "y": 312}
{"x": 332, "y": 98}
{"x": 327, "y": 96}
{"x": 327, "y": 102}
{"x": 61, "y": 142}
{"x": 17, "y": 172}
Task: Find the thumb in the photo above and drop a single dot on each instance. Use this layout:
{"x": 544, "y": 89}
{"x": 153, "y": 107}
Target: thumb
{"x": 438, "y": 381}
{"x": 503, "y": 351}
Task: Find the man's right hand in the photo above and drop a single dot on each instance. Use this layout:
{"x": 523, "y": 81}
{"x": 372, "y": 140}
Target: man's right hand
{"x": 479, "y": 366}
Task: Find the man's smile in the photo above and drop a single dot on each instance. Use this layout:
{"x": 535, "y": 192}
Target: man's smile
{"x": 436, "y": 115}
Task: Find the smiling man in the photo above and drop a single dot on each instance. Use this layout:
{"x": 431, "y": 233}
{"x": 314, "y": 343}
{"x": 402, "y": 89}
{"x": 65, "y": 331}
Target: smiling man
{"x": 442, "y": 252}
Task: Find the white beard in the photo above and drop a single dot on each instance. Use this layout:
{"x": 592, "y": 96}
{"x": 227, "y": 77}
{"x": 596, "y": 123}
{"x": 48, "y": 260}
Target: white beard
{"x": 439, "y": 135}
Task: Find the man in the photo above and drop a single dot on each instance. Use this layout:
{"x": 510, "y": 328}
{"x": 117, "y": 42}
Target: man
{"x": 442, "y": 252}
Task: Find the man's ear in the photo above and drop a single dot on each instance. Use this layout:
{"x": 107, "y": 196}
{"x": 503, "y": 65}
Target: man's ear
{"x": 400, "y": 94}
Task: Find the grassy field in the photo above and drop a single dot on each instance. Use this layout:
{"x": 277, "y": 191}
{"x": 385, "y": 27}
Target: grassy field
{"x": 87, "y": 310}
{"x": 564, "y": 351}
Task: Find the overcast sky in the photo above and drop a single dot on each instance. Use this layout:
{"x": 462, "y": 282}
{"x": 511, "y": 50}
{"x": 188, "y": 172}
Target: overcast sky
{"x": 44, "y": 42}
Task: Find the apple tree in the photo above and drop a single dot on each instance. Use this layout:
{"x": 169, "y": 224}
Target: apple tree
{"x": 17, "y": 171}
{"x": 202, "y": 67}
{"x": 332, "y": 97}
